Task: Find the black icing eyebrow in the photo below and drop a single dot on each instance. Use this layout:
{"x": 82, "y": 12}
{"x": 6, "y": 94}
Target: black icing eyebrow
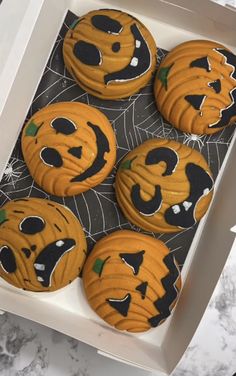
{"x": 87, "y": 53}
{"x": 163, "y": 154}
{"x": 106, "y": 24}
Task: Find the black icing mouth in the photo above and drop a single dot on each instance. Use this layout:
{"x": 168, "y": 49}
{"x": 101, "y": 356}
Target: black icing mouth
{"x": 99, "y": 162}
{"x": 47, "y": 260}
{"x": 139, "y": 64}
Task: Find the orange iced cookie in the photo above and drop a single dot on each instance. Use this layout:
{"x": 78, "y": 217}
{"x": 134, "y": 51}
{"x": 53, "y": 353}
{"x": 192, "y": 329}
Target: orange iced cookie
{"x": 164, "y": 186}
{"x": 42, "y": 244}
{"x": 69, "y": 147}
{"x": 110, "y": 53}
{"x": 131, "y": 281}
{"x": 195, "y": 87}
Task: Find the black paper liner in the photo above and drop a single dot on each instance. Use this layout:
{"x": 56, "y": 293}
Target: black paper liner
{"x": 134, "y": 120}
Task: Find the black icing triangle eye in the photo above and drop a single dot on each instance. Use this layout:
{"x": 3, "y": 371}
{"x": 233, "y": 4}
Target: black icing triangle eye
{"x": 196, "y": 101}
{"x": 121, "y": 305}
{"x": 51, "y": 157}
{"x": 133, "y": 260}
{"x": 63, "y": 125}
{"x": 7, "y": 259}
{"x": 32, "y": 225}
{"x": 76, "y": 151}
{"x": 202, "y": 63}
{"x": 87, "y": 53}
{"x": 107, "y": 24}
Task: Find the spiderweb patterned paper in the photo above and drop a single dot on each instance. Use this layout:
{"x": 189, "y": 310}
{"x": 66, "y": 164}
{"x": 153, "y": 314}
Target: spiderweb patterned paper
{"x": 134, "y": 120}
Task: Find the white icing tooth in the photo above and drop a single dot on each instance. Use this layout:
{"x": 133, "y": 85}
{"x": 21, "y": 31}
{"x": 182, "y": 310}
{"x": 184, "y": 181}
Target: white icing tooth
{"x": 137, "y": 43}
{"x": 176, "y": 209}
{"x": 134, "y": 62}
{"x": 206, "y": 191}
{"x": 39, "y": 266}
{"x": 40, "y": 279}
{"x": 59, "y": 243}
{"x": 187, "y": 205}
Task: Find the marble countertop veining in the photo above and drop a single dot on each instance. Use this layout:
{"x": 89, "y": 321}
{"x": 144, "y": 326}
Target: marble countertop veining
{"x": 29, "y": 349}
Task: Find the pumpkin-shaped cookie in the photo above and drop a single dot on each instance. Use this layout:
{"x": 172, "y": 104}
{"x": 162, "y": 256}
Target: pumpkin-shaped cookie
{"x": 109, "y": 53}
{"x": 131, "y": 280}
{"x": 195, "y": 87}
{"x": 164, "y": 186}
{"x": 42, "y": 244}
{"x": 68, "y": 147}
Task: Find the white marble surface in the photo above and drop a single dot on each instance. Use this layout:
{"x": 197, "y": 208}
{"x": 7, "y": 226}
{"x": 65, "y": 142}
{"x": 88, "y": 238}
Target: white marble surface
{"x": 29, "y": 349}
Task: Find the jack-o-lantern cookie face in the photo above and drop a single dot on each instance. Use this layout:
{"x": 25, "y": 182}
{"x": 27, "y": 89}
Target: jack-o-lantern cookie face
{"x": 110, "y": 53}
{"x": 68, "y": 147}
{"x": 164, "y": 186}
{"x": 42, "y": 244}
{"x": 131, "y": 280}
{"x": 195, "y": 87}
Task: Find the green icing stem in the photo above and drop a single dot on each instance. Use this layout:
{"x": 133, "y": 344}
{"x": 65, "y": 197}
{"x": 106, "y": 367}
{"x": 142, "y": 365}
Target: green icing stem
{"x": 3, "y": 216}
{"x": 74, "y": 23}
{"x": 126, "y": 165}
{"x": 162, "y": 75}
{"x": 99, "y": 265}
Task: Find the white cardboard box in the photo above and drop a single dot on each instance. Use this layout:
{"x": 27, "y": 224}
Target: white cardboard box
{"x": 24, "y": 50}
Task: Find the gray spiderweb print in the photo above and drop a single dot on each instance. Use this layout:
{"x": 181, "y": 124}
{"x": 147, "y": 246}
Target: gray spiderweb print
{"x": 134, "y": 120}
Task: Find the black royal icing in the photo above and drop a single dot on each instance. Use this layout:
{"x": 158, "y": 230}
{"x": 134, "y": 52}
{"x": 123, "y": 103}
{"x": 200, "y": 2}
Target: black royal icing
{"x": 183, "y": 213}
{"x": 32, "y": 225}
{"x": 230, "y": 59}
{"x": 226, "y": 113}
{"x": 133, "y": 260}
{"x": 106, "y": 24}
{"x": 202, "y": 63}
{"x": 87, "y": 53}
{"x": 116, "y": 47}
{"x": 121, "y": 305}
{"x": 99, "y": 162}
{"x": 49, "y": 257}
{"x": 7, "y": 259}
{"x": 63, "y": 125}
{"x": 142, "y": 288}
{"x": 215, "y": 85}
{"x": 139, "y": 64}
{"x": 195, "y": 100}
{"x": 154, "y": 156}
{"x": 163, "y": 305}
{"x": 51, "y": 157}
{"x": 76, "y": 151}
